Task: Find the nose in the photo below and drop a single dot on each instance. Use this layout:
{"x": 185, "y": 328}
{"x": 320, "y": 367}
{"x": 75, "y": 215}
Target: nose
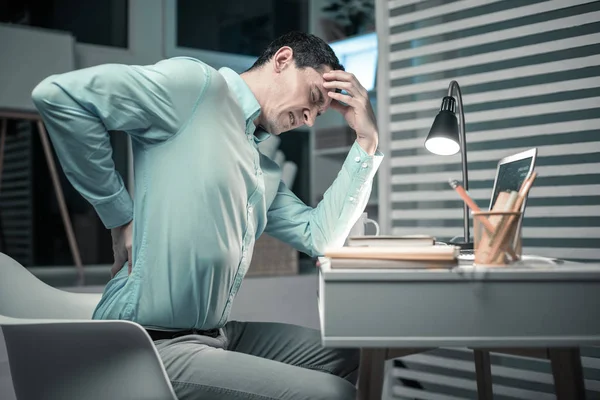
{"x": 309, "y": 117}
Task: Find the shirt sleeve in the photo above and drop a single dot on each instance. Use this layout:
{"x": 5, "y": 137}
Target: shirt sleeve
{"x": 79, "y": 108}
{"x": 312, "y": 230}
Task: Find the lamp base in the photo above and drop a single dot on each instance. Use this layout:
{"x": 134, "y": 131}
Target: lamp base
{"x": 463, "y": 245}
{"x": 460, "y": 242}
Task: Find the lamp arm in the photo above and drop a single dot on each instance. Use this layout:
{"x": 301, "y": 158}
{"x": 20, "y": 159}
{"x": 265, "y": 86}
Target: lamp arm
{"x": 455, "y": 88}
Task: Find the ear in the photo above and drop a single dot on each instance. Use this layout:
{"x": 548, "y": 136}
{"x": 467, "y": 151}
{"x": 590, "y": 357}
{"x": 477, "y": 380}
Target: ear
{"x": 283, "y": 58}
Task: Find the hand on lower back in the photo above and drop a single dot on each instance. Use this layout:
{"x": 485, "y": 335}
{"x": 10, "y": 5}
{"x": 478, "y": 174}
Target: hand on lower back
{"x": 122, "y": 237}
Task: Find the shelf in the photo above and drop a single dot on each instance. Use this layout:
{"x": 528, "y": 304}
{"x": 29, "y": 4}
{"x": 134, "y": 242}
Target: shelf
{"x": 333, "y": 152}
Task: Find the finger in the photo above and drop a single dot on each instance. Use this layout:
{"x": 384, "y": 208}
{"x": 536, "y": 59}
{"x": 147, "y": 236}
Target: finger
{"x": 339, "y": 75}
{"x": 339, "y": 107}
{"x": 351, "y": 101}
{"x": 347, "y": 86}
{"x": 129, "y": 258}
{"x": 113, "y": 271}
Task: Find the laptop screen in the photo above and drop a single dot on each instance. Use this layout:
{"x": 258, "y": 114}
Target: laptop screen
{"x": 510, "y": 176}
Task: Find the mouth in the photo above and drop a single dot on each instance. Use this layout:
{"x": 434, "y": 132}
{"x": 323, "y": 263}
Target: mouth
{"x": 292, "y": 119}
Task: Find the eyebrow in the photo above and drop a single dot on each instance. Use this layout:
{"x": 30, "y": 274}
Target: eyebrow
{"x": 321, "y": 100}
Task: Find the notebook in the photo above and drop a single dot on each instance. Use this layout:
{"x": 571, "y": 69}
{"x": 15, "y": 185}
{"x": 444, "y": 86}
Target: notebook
{"x": 389, "y": 241}
{"x": 418, "y": 253}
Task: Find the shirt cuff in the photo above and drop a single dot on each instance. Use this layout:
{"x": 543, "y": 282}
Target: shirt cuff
{"x": 361, "y": 164}
{"x": 116, "y": 210}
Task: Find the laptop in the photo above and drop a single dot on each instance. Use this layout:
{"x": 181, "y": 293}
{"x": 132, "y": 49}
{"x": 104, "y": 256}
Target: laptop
{"x": 510, "y": 174}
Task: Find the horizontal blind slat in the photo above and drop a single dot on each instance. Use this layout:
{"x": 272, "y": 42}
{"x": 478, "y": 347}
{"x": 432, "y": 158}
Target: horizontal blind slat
{"x": 506, "y": 113}
{"x": 480, "y": 195}
{"x": 478, "y": 21}
{"x": 497, "y": 36}
{"x": 498, "y": 75}
{"x": 497, "y": 95}
{"x": 485, "y": 155}
{"x": 501, "y": 55}
{"x": 438, "y": 11}
{"x": 489, "y": 174}
{"x": 516, "y": 132}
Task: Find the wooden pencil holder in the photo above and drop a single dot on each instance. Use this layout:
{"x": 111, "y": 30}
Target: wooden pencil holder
{"x": 497, "y": 237}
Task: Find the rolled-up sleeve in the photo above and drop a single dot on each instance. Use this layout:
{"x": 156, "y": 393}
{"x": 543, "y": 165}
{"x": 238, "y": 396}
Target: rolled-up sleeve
{"x": 79, "y": 109}
{"x": 312, "y": 230}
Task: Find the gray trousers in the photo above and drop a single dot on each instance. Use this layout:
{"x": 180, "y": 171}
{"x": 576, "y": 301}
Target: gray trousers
{"x": 259, "y": 361}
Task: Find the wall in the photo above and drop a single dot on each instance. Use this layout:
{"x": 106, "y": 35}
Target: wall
{"x": 314, "y": 15}
{"x": 34, "y": 53}
{"x": 21, "y": 70}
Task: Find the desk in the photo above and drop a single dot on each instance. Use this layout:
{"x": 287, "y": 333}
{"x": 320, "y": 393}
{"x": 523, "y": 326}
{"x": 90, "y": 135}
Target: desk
{"x": 389, "y": 313}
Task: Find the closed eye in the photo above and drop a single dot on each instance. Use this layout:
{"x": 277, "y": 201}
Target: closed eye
{"x": 319, "y": 99}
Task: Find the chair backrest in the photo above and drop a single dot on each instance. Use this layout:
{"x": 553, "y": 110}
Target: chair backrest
{"x": 56, "y": 352}
{"x": 92, "y": 360}
{"x": 22, "y": 295}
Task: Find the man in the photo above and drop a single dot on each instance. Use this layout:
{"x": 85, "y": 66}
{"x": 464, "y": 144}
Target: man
{"x": 203, "y": 194}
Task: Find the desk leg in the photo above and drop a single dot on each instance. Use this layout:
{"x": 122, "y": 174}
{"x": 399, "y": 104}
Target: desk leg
{"x": 371, "y": 374}
{"x": 568, "y": 373}
{"x": 483, "y": 371}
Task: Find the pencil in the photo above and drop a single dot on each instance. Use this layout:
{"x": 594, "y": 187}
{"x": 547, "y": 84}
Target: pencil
{"x": 473, "y": 206}
{"x": 523, "y": 193}
{"x": 464, "y": 195}
{"x": 508, "y": 208}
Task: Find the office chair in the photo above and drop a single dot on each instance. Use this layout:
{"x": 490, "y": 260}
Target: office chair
{"x": 56, "y": 352}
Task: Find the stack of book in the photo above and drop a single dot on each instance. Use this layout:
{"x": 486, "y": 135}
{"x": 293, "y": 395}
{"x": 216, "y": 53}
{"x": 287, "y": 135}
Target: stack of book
{"x": 393, "y": 252}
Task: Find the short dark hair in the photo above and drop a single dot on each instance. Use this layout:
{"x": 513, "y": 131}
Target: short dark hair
{"x": 309, "y": 51}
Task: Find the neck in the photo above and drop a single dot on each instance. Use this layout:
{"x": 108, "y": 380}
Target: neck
{"x": 257, "y": 86}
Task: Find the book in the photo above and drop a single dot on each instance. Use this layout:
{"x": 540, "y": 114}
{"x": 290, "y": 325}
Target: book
{"x": 423, "y": 253}
{"x": 391, "y": 241}
{"x": 344, "y": 263}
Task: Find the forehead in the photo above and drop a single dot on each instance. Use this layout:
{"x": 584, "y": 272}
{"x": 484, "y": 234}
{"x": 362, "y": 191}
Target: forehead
{"x": 314, "y": 78}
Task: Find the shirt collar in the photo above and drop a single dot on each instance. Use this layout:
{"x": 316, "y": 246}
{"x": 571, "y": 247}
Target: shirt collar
{"x": 247, "y": 101}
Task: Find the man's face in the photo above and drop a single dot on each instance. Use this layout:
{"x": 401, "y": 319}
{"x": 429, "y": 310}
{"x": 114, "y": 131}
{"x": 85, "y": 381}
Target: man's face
{"x": 296, "y": 98}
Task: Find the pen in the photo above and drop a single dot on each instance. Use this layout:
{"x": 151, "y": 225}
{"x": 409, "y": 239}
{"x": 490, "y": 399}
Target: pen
{"x": 472, "y": 205}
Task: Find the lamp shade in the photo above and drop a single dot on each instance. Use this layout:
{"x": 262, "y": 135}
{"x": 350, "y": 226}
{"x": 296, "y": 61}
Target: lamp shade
{"x": 443, "y": 138}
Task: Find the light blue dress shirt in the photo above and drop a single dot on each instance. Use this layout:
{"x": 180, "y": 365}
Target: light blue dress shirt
{"x": 203, "y": 191}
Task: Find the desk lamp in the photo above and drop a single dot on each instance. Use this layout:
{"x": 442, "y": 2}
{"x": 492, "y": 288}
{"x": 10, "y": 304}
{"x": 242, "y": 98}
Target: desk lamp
{"x": 447, "y": 137}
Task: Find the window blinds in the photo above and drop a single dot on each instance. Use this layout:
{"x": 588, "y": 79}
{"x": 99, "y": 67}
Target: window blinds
{"x": 530, "y": 76}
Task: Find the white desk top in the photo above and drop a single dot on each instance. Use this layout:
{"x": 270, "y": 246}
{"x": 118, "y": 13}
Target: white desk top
{"x": 532, "y": 268}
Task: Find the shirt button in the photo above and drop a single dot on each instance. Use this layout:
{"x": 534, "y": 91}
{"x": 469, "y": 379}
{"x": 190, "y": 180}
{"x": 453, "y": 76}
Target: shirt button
{"x": 365, "y": 165}
{"x": 249, "y": 209}
{"x": 351, "y": 199}
{"x": 259, "y": 171}
{"x": 357, "y": 159}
